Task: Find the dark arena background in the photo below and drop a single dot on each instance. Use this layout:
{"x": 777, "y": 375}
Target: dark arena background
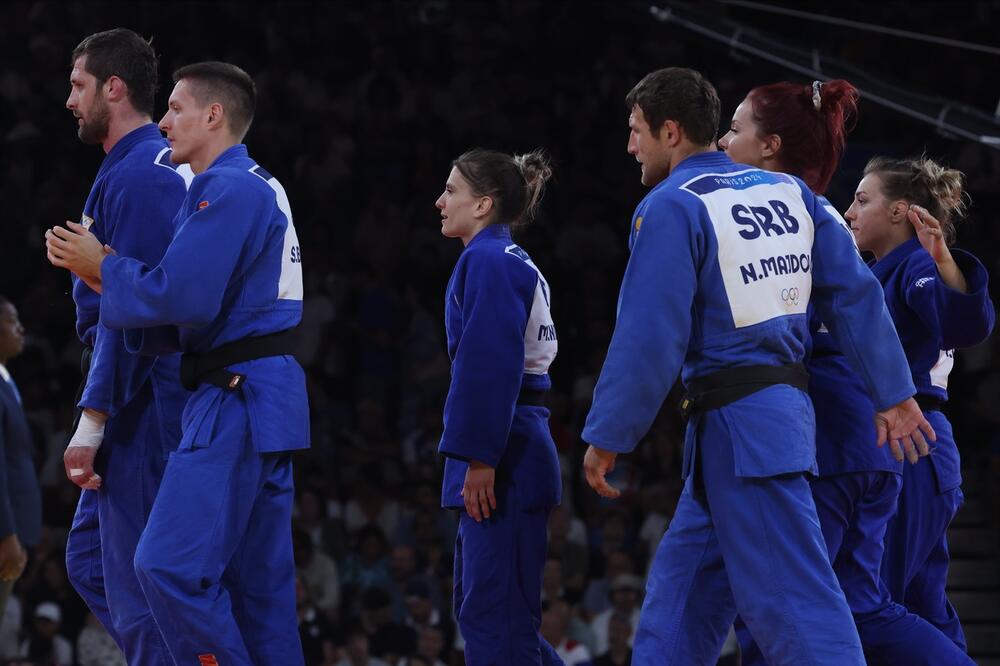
{"x": 361, "y": 107}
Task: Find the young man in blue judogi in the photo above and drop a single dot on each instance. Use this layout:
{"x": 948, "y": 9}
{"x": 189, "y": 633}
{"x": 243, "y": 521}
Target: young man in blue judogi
{"x": 725, "y": 260}
{"x": 215, "y": 560}
{"x": 131, "y": 405}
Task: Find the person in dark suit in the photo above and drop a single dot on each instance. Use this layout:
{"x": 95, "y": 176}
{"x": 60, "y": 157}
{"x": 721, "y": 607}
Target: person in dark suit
{"x": 20, "y": 499}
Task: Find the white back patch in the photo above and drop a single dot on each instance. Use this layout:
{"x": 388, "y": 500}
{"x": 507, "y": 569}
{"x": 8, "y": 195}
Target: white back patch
{"x": 182, "y": 170}
{"x": 939, "y": 373}
{"x": 540, "y": 341}
{"x": 765, "y": 236}
{"x": 290, "y": 279}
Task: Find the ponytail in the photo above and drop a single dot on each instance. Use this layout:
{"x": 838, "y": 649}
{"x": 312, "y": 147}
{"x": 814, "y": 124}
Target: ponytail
{"x": 813, "y": 122}
{"x": 535, "y": 170}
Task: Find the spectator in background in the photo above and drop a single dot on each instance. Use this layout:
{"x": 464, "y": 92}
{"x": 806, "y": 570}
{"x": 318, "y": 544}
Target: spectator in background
{"x": 10, "y": 628}
{"x": 552, "y": 580}
{"x": 420, "y": 610}
{"x": 405, "y": 570}
{"x": 52, "y": 585}
{"x": 366, "y": 566}
{"x": 572, "y": 556}
{"x": 314, "y": 517}
{"x": 658, "y": 503}
{"x": 356, "y": 649}
{"x": 95, "y": 647}
{"x": 626, "y": 594}
{"x": 555, "y": 629}
{"x": 20, "y": 501}
{"x": 389, "y": 640}
{"x": 597, "y": 598}
{"x": 315, "y": 630}
{"x": 369, "y": 505}
{"x": 318, "y": 572}
{"x": 430, "y": 645}
{"x": 620, "y": 632}
{"x": 44, "y": 644}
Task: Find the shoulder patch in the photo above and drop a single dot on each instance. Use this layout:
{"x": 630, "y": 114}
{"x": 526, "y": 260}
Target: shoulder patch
{"x": 518, "y": 252}
{"x": 258, "y": 170}
{"x": 163, "y": 159}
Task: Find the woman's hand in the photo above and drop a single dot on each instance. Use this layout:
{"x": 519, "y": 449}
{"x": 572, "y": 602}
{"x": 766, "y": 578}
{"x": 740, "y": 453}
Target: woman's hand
{"x": 931, "y": 237}
{"x": 478, "y": 490}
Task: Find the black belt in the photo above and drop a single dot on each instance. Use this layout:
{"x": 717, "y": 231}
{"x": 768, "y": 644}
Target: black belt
{"x": 726, "y": 386}
{"x": 527, "y": 398}
{"x": 210, "y": 367}
{"x": 928, "y": 403}
{"x": 85, "y": 358}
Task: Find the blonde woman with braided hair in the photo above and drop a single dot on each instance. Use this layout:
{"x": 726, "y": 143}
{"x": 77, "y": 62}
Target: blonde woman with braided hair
{"x": 904, "y": 212}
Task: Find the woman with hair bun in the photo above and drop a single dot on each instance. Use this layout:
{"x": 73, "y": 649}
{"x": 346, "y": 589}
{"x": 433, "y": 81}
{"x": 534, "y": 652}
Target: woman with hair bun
{"x": 501, "y": 467}
{"x": 801, "y": 129}
{"x": 904, "y": 212}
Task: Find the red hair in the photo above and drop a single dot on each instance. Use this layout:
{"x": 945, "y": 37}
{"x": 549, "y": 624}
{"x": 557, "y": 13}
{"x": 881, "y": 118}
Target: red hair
{"x": 812, "y": 140}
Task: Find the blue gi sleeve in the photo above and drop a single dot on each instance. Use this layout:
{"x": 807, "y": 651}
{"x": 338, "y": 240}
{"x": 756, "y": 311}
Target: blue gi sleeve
{"x": 850, "y": 301}
{"x": 156, "y": 341}
{"x": 652, "y": 331}
{"x": 187, "y": 286}
{"x": 488, "y": 366}
{"x": 961, "y": 320}
{"x": 115, "y": 374}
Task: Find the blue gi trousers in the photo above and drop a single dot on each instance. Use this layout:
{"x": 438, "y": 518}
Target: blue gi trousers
{"x": 854, "y": 510}
{"x": 747, "y": 543}
{"x": 216, "y": 559}
{"x": 498, "y": 585}
{"x": 130, "y": 462}
{"x": 84, "y": 564}
{"x": 915, "y": 567}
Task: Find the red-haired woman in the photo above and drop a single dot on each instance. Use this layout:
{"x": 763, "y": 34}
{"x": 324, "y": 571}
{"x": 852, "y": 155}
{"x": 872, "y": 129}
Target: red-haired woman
{"x": 801, "y": 129}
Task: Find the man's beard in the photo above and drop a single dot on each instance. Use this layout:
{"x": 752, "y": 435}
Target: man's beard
{"x": 96, "y": 129}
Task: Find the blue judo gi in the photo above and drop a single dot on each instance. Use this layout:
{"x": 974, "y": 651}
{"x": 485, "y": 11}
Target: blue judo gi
{"x": 724, "y": 262}
{"x": 215, "y": 560}
{"x": 501, "y": 341}
{"x": 856, "y": 495}
{"x": 131, "y": 206}
{"x": 933, "y": 320}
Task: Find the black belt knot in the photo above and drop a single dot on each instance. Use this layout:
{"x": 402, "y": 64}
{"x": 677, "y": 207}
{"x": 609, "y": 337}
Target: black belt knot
{"x": 210, "y": 367}
{"x": 721, "y": 388}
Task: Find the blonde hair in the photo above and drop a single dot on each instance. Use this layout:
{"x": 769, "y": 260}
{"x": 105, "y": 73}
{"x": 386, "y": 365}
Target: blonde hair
{"x": 923, "y": 181}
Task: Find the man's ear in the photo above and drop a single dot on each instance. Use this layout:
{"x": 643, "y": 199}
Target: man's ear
{"x": 115, "y": 89}
{"x": 216, "y": 116}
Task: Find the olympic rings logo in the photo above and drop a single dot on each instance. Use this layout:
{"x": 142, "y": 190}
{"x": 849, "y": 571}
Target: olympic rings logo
{"x": 790, "y": 296}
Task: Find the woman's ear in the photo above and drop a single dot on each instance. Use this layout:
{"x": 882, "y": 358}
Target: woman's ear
{"x": 897, "y": 211}
{"x": 483, "y": 207}
{"x": 772, "y": 144}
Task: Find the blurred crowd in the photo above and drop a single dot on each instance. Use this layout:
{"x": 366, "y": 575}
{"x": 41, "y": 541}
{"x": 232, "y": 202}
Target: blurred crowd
{"x": 361, "y": 108}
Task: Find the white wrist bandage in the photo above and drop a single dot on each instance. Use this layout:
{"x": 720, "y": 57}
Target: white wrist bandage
{"x": 89, "y": 433}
